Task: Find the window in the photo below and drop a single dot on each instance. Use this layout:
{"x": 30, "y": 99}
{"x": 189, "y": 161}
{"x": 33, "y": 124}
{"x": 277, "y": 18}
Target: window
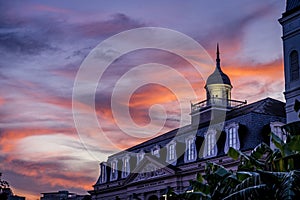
{"x": 210, "y": 144}
{"x": 126, "y": 166}
{"x": 232, "y": 137}
{"x": 114, "y": 170}
{"x": 190, "y": 153}
{"x": 171, "y": 152}
{"x": 140, "y": 156}
{"x": 103, "y": 173}
{"x": 155, "y": 151}
{"x": 294, "y": 65}
{"x": 277, "y": 130}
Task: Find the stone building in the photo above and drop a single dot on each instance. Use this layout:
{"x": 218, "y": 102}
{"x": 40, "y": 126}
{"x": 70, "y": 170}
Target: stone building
{"x": 290, "y": 22}
{"x": 144, "y": 171}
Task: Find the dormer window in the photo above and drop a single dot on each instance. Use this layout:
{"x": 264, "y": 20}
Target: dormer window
{"x": 114, "y": 170}
{"x": 190, "y": 151}
{"x": 210, "y": 144}
{"x": 276, "y": 128}
{"x": 102, "y": 173}
{"x": 232, "y": 137}
{"x": 140, "y": 156}
{"x": 126, "y": 166}
{"x": 155, "y": 151}
{"x": 171, "y": 152}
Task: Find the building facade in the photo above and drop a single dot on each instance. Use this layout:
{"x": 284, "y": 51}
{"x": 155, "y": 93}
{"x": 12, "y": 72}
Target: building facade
{"x": 290, "y": 22}
{"x": 173, "y": 159}
{"x": 61, "y": 195}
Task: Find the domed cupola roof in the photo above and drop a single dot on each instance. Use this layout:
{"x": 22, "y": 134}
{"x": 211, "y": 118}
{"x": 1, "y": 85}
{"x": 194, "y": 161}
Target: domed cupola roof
{"x": 218, "y": 76}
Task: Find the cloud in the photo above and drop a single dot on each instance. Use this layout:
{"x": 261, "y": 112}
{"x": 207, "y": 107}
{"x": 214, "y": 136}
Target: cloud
{"x": 42, "y": 46}
{"x": 117, "y": 23}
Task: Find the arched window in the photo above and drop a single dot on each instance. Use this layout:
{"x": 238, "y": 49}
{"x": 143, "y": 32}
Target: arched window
{"x": 232, "y": 137}
{"x": 103, "y": 172}
{"x": 171, "y": 153}
{"x": 114, "y": 170}
{"x": 294, "y": 65}
{"x": 140, "y": 156}
{"x": 210, "y": 144}
{"x": 155, "y": 151}
{"x": 126, "y": 166}
{"x": 190, "y": 151}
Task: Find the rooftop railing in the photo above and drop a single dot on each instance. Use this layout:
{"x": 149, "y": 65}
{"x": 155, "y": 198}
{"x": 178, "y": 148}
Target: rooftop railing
{"x": 217, "y": 102}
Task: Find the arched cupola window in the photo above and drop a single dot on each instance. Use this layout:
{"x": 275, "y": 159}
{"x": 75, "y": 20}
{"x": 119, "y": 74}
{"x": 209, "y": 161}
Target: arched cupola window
{"x": 294, "y": 65}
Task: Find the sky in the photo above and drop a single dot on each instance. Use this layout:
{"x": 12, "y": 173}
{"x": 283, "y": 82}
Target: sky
{"x": 46, "y": 145}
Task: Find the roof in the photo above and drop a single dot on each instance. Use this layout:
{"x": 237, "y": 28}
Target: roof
{"x": 218, "y": 76}
{"x": 267, "y": 106}
{"x": 292, "y": 4}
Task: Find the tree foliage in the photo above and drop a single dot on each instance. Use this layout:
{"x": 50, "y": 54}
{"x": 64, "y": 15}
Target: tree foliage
{"x": 3, "y": 185}
{"x": 262, "y": 174}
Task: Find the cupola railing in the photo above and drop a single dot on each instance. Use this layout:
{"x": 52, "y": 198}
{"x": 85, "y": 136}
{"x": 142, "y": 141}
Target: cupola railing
{"x": 216, "y": 102}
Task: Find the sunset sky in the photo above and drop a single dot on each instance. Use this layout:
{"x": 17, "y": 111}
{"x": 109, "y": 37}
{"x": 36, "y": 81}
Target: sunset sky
{"x": 44, "y": 42}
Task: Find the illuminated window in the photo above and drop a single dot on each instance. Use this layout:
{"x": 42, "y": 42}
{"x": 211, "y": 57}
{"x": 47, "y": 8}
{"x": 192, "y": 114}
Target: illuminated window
{"x": 210, "y": 144}
{"x": 190, "y": 150}
{"x": 232, "y": 137}
{"x": 126, "y": 166}
{"x": 114, "y": 170}
{"x": 294, "y": 62}
{"x": 171, "y": 153}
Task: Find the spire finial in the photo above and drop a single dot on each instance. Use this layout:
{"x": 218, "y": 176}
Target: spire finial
{"x": 218, "y": 58}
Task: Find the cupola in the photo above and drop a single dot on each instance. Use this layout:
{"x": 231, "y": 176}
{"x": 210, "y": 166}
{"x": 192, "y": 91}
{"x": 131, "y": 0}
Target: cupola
{"x": 218, "y": 85}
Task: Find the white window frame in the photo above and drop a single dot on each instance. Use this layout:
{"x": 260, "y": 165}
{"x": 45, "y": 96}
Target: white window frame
{"x": 171, "y": 153}
{"x": 114, "y": 170}
{"x": 232, "y": 138}
{"x": 126, "y": 166}
{"x": 211, "y": 148}
{"x": 276, "y": 129}
{"x": 190, "y": 149}
{"x": 103, "y": 173}
{"x": 156, "y": 151}
{"x": 140, "y": 156}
